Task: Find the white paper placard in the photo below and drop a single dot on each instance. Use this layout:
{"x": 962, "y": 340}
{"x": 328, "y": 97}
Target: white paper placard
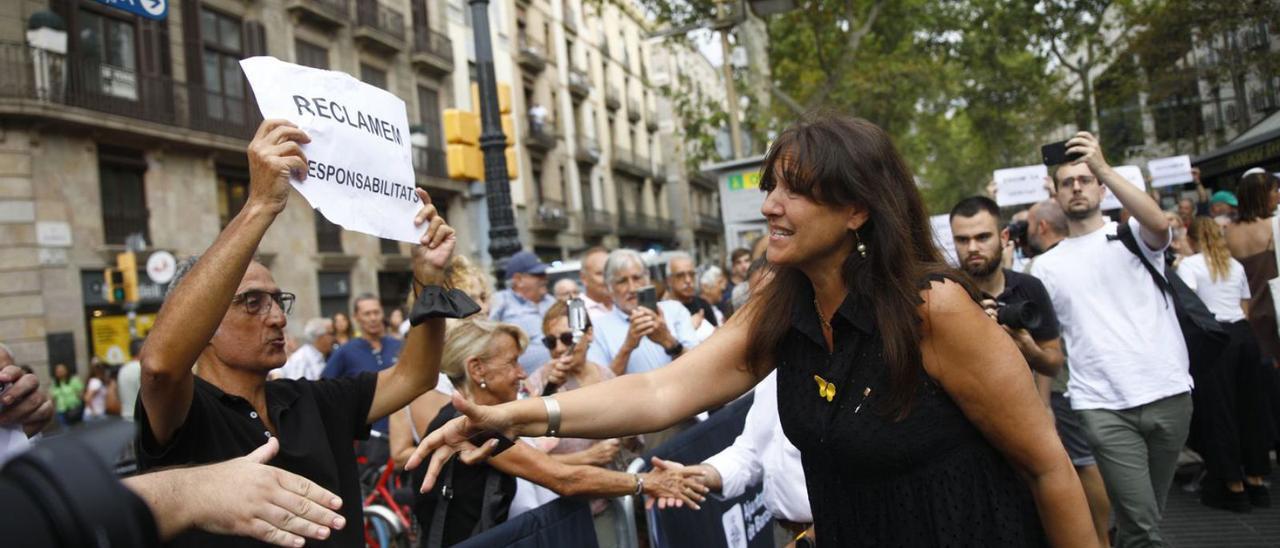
{"x": 1174, "y": 170}
{"x": 360, "y": 167}
{"x": 1133, "y": 174}
{"x": 1020, "y": 185}
{"x": 942, "y": 235}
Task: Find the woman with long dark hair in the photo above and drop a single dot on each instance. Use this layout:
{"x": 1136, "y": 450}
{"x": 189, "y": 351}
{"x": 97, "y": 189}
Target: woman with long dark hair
{"x": 916, "y": 416}
{"x": 343, "y": 331}
{"x": 1231, "y": 427}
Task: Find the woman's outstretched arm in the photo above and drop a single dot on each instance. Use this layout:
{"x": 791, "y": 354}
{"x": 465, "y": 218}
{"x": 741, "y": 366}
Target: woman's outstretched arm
{"x": 712, "y": 374}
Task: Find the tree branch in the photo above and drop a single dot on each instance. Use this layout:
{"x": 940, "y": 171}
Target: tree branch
{"x": 849, "y": 58}
{"x": 788, "y": 100}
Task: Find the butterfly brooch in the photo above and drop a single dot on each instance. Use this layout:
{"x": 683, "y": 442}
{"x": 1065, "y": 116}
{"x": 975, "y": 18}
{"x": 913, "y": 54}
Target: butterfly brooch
{"x": 826, "y": 389}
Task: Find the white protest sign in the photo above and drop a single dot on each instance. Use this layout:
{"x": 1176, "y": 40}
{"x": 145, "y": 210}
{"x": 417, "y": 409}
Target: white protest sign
{"x": 942, "y": 237}
{"x": 359, "y": 161}
{"x": 1174, "y": 170}
{"x": 1020, "y": 185}
{"x": 1133, "y": 174}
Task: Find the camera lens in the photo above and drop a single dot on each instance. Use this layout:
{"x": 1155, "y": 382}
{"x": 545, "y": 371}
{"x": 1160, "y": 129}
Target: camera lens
{"x": 1021, "y": 315}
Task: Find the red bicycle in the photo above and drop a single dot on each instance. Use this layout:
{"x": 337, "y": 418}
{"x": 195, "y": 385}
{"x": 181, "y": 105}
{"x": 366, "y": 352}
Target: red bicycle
{"x": 388, "y": 518}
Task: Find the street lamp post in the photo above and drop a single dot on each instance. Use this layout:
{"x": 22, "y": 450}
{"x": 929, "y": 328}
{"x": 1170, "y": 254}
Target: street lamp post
{"x": 504, "y": 239}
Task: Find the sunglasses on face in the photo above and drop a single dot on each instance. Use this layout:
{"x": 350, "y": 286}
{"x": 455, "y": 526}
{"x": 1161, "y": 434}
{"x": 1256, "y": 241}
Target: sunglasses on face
{"x": 550, "y": 340}
{"x": 259, "y": 302}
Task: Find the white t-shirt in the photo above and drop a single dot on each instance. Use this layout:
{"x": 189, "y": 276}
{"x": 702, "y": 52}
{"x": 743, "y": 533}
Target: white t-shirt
{"x": 98, "y": 404}
{"x": 1120, "y": 329}
{"x": 1221, "y": 296}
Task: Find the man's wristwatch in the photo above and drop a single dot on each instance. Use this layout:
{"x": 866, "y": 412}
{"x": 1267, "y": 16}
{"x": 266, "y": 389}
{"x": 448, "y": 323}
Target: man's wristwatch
{"x": 675, "y": 350}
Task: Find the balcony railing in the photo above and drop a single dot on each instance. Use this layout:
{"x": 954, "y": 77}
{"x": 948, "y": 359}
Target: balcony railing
{"x": 626, "y": 161}
{"x": 430, "y": 161}
{"x": 532, "y": 56}
{"x": 549, "y": 217}
{"x": 542, "y": 137}
{"x": 432, "y": 52}
{"x": 710, "y": 223}
{"x": 379, "y": 25}
{"x": 326, "y": 13}
{"x": 579, "y": 83}
{"x": 588, "y": 150}
{"x": 631, "y": 223}
{"x": 70, "y": 81}
{"x": 596, "y": 222}
{"x": 633, "y": 109}
{"x": 612, "y": 98}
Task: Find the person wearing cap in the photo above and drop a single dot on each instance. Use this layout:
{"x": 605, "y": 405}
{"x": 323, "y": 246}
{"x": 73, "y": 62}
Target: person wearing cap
{"x": 524, "y": 303}
{"x": 1222, "y": 207}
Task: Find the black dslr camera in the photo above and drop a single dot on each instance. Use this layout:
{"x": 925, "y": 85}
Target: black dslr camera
{"x": 1018, "y": 315}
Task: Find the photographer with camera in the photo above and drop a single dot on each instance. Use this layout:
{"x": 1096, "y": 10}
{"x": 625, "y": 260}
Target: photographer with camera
{"x": 1017, "y": 301}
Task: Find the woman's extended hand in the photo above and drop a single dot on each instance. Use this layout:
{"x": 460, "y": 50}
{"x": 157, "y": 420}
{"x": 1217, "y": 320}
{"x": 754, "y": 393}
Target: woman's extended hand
{"x": 451, "y": 438}
{"x": 674, "y": 487}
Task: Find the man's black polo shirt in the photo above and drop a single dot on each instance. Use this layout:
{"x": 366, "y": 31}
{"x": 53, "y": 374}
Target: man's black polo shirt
{"x": 1019, "y": 287}
{"x": 317, "y": 422}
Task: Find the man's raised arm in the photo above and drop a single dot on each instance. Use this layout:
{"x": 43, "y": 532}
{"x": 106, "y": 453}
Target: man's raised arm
{"x": 418, "y": 368}
{"x": 192, "y": 312}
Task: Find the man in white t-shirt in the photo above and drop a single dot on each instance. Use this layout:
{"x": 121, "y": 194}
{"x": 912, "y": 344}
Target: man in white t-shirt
{"x": 1130, "y": 373}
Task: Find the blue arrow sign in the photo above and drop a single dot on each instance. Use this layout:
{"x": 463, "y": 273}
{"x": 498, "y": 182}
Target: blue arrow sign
{"x": 151, "y": 9}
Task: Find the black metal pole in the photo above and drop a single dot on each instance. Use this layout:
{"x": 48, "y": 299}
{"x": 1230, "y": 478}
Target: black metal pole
{"x": 504, "y": 239}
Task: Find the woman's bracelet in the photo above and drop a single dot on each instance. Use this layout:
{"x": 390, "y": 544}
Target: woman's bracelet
{"x": 639, "y": 485}
{"x": 553, "y": 416}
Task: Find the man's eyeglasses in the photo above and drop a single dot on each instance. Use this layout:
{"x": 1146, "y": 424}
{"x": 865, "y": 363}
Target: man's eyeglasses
{"x": 550, "y": 340}
{"x": 259, "y": 302}
{"x": 686, "y": 274}
{"x": 1084, "y": 180}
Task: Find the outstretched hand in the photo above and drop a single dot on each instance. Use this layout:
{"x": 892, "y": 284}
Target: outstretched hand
{"x": 674, "y": 485}
{"x": 243, "y": 497}
{"x": 453, "y": 437}
{"x": 274, "y": 155}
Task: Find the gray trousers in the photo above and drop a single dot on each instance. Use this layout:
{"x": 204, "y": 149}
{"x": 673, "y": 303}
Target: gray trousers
{"x": 1137, "y": 452}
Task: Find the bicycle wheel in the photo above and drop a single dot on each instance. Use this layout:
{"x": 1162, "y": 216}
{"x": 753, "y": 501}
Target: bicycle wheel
{"x": 383, "y": 528}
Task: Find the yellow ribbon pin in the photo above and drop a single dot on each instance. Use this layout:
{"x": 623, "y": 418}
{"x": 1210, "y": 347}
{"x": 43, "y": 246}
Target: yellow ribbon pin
{"x": 825, "y": 389}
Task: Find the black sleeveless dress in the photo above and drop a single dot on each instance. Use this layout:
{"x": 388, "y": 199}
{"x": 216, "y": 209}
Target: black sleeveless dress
{"x": 930, "y": 479}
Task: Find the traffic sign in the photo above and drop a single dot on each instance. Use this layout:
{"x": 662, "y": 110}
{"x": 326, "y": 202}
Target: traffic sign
{"x": 161, "y": 266}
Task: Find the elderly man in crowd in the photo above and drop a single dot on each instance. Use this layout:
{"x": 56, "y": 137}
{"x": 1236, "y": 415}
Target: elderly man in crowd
{"x": 308, "y": 361}
{"x": 682, "y": 281}
{"x": 633, "y": 338}
{"x": 205, "y": 395}
{"x": 597, "y": 296}
{"x": 524, "y": 303}
{"x": 566, "y": 289}
{"x": 711, "y": 287}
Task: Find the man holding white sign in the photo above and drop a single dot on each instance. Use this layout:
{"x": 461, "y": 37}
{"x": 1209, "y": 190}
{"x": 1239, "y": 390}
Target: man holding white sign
{"x": 360, "y": 160}
{"x": 225, "y": 317}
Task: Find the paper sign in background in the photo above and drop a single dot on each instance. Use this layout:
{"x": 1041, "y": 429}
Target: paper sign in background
{"x": 1020, "y": 185}
{"x": 942, "y": 236}
{"x": 1133, "y": 174}
{"x": 361, "y": 169}
{"x": 1174, "y": 170}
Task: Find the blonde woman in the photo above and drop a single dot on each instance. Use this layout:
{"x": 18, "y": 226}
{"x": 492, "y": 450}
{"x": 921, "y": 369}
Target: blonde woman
{"x": 1231, "y": 428}
{"x": 480, "y": 357}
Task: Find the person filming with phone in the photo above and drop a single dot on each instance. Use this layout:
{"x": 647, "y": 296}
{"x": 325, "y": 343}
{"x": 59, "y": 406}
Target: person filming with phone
{"x": 1130, "y": 369}
{"x": 639, "y": 334}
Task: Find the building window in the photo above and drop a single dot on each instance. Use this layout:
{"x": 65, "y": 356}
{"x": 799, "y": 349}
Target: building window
{"x": 328, "y": 235}
{"x": 393, "y": 291}
{"x": 389, "y": 247}
{"x": 311, "y": 55}
{"x": 433, "y": 155}
{"x": 373, "y": 76}
{"x": 111, "y": 59}
{"x": 233, "y": 192}
{"x": 223, "y": 49}
{"x": 335, "y": 293}
{"x": 124, "y": 201}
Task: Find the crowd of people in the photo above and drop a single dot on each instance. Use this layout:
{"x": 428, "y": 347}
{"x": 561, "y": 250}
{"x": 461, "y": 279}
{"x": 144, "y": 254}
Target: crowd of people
{"x": 1042, "y": 392}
